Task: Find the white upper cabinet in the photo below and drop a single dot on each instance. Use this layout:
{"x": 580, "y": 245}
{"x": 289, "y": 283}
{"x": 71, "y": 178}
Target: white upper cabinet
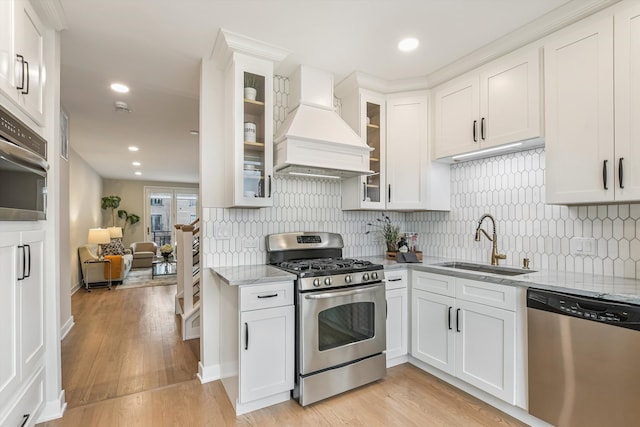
{"x": 457, "y": 115}
{"x": 241, "y": 154}
{"x": 22, "y": 57}
{"x": 494, "y": 105}
{"x": 365, "y": 112}
{"x": 396, "y": 126}
{"x": 252, "y": 132}
{"x": 6, "y": 46}
{"x": 29, "y": 79}
{"x": 579, "y": 113}
{"x": 592, "y": 74}
{"x": 627, "y": 104}
{"x": 414, "y": 182}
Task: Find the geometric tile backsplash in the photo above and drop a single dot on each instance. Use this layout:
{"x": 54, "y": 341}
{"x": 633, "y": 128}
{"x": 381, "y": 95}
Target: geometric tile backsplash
{"x": 509, "y": 187}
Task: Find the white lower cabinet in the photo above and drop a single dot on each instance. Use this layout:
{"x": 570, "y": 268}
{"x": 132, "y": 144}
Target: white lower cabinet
{"x": 397, "y": 316}
{"x": 257, "y": 344}
{"x": 266, "y": 354}
{"x": 474, "y": 341}
{"x": 21, "y": 324}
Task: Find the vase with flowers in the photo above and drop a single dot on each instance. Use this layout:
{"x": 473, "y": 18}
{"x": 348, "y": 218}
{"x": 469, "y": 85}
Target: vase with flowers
{"x": 389, "y": 232}
{"x": 166, "y": 250}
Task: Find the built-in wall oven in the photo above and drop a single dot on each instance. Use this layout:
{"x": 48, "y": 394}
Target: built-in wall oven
{"x": 23, "y": 170}
{"x": 340, "y": 314}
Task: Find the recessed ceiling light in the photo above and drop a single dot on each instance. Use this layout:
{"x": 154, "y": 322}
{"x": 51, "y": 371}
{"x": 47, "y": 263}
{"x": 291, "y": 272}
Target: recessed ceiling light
{"x": 138, "y": 173}
{"x": 119, "y": 87}
{"x": 133, "y": 148}
{"x": 194, "y": 132}
{"x": 408, "y": 44}
{"x": 135, "y": 163}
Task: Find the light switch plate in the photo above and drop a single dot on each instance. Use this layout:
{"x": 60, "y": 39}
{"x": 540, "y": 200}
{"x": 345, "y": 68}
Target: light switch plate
{"x": 221, "y": 231}
{"x": 582, "y": 246}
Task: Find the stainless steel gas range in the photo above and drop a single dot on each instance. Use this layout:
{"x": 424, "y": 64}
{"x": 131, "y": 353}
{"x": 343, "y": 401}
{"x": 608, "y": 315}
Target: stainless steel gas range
{"x": 340, "y": 314}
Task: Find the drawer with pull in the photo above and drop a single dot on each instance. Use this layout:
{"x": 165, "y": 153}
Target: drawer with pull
{"x": 257, "y": 297}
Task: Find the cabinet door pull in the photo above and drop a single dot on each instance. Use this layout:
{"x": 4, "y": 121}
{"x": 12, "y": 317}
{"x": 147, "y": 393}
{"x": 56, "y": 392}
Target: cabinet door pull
{"x": 269, "y": 186}
{"x": 28, "y": 273}
{"x": 21, "y": 86}
{"x": 364, "y": 191}
{"x": 26, "y": 91}
{"x": 604, "y": 174}
{"x": 24, "y": 263}
{"x": 482, "y": 128}
{"x": 386, "y": 308}
{"x": 475, "y": 131}
{"x": 458, "y": 320}
{"x": 394, "y": 280}
{"x": 25, "y": 418}
{"x": 449, "y": 319}
{"x": 246, "y": 336}
{"x": 389, "y": 193}
{"x": 267, "y": 296}
{"x": 620, "y": 172}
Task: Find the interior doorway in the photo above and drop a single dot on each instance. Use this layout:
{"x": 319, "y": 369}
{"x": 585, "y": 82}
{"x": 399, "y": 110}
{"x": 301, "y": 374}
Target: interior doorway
{"x": 166, "y": 207}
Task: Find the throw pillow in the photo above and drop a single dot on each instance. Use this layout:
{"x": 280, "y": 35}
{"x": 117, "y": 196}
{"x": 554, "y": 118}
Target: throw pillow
{"x": 115, "y": 247}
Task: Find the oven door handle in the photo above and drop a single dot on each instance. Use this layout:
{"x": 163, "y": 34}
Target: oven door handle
{"x": 342, "y": 293}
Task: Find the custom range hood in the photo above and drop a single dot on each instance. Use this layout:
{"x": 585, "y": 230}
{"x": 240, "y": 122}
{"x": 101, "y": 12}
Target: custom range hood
{"x": 314, "y": 140}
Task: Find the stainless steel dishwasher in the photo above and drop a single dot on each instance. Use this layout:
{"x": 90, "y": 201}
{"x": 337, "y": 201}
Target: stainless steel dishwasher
{"x": 584, "y": 360}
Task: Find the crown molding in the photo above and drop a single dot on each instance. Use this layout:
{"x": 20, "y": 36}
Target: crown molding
{"x": 52, "y": 12}
{"x": 227, "y": 43}
{"x": 359, "y": 80}
{"x": 554, "y": 20}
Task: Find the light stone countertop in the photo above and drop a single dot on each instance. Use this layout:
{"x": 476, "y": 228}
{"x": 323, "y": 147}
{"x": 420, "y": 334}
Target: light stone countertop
{"x": 616, "y": 289}
{"x": 252, "y": 274}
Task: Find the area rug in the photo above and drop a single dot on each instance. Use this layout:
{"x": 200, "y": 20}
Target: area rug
{"x": 141, "y": 278}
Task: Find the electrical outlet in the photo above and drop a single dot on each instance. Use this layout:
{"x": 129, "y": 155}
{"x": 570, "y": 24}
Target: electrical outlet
{"x": 250, "y": 243}
{"x": 582, "y": 246}
{"x": 221, "y": 231}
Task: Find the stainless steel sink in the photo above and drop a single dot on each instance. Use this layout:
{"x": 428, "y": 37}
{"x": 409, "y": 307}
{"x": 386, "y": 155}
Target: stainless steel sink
{"x": 493, "y": 269}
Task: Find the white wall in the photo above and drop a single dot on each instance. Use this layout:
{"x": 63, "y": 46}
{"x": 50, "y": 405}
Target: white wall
{"x": 133, "y": 201}
{"x": 85, "y": 192}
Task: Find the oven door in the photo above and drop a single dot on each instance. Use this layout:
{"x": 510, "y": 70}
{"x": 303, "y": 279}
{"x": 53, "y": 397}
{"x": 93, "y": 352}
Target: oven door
{"x": 23, "y": 193}
{"x": 340, "y": 326}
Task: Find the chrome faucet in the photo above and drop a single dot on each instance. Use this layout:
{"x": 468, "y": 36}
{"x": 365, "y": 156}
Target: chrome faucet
{"x": 495, "y": 256}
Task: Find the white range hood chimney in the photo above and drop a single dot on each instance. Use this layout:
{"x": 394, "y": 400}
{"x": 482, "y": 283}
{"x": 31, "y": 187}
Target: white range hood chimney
{"x": 314, "y": 140}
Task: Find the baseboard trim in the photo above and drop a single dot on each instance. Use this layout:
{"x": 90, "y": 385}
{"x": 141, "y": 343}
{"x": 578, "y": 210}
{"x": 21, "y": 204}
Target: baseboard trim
{"x": 53, "y": 409}
{"x": 207, "y": 374}
{"x": 68, "y": 325}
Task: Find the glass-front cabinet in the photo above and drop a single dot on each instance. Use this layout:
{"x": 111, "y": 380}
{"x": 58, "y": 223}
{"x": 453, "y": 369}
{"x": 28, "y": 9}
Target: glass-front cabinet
{"x": 374, "y": 184}
{"x": 253, "y": 132}
{"x": 365, "y": 113}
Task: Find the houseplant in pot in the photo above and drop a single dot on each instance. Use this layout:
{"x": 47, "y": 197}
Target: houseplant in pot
{"x": 250, "y": 86}
{"x": 390, "y": 233}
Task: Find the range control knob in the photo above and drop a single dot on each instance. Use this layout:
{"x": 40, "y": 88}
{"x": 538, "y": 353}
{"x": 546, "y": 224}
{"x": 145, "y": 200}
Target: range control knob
{"x": 374, "y": 275}
{"x": 365, "y": 276}
{"x": 348, "y": 278}
{"x": 316, "y": 282}
{"x": 327, "y": 281}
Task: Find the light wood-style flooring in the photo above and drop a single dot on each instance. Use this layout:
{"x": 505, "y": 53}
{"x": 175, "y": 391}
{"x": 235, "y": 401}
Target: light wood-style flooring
{"x": 124, "y": 364}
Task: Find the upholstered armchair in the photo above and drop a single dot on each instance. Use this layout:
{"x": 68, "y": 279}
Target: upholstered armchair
{"x": 143, "y": 254}
{"x": 95, "y": 273}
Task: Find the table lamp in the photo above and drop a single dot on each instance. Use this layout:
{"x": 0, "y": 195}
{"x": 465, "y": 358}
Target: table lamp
{"x": 115, "y": 232}
{"x": 99, "y": 236}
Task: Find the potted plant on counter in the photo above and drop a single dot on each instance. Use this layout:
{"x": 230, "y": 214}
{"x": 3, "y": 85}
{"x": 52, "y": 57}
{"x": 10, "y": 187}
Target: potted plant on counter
{"x": 389, "y": 232}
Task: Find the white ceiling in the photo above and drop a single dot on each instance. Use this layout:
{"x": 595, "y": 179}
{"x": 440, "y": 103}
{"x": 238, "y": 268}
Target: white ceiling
{"x": 155, "y": 47}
